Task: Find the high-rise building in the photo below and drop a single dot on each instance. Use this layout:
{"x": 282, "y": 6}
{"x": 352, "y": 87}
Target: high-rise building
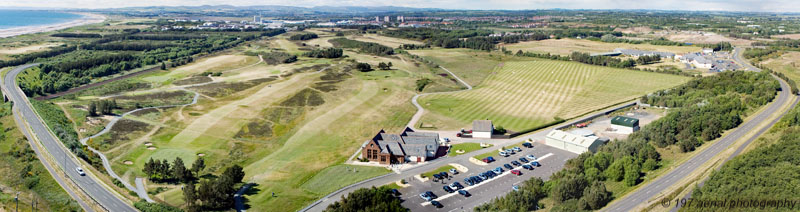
{"x": 377, "y": 19}
{"x": 256, "y": 19}
{"x": 386, "y": 19}
{"x": 400, "y": 18}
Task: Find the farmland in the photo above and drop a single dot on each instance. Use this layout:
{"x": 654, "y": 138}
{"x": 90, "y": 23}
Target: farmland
{"x": 567, "y": 46}
{"x": 524, "y": 94}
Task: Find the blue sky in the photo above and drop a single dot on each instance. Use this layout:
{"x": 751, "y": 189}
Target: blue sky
{"x": 714, "y": 5}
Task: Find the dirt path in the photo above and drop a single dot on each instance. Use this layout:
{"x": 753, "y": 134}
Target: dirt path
{"x": 283, "y": 156}
{"x": 420, "y": 110}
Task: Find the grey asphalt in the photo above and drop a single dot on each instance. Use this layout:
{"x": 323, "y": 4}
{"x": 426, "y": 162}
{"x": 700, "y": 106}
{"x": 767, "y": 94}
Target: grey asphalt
{"x": 90, "y": 185}
{"x": 487, "y": 190}
{"x": 659, "y": 186}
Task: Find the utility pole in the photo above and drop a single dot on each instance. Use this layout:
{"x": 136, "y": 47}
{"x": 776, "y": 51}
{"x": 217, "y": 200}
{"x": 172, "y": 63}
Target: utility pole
{"x": 16, "y": 200}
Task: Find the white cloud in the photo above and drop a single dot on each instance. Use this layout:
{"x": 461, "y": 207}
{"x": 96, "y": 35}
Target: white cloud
{"x": 728, "y": 5}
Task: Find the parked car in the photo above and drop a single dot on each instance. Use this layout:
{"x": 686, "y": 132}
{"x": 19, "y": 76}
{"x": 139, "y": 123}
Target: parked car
{"x": 508, "y": 166}
{"x": 516, "y": 172}
{"x": 492, "y": 174}
{"x": 504, "y": 154}
{"x": 448, "y": 189}
{"x": 527, "y": 145}
{"x": 528, "y": 167}
{"x": 431, "y": 194}
{"x": 425, "y": 196}
{"x": 523, "y": 160}
{"x": 510, "y": 151}
{"x": 453, "y": 171}
{"x": 80, "y": 171}
{"x": 485, "y": 160}
{"x": 468, "y": 181}
{"x": 483, "y": 176}
{"x": 456, "y": 186}
{"x": 515, "y": 187}
{"x": 516, "y": 163}
{"x": 464, "y": 192}
{"x": 491, "y": 159}
{"x": 437, "y": 176}
{"x": 536, "y": 164}
{"x": 443, "y": 174}
{"x": 531, "y": 157}
{"x": 517, "y": 149}
{"x": 437, "y": 204}
{"x": 395, "y": 192}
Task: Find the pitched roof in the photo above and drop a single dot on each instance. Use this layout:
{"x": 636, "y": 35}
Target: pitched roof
{"x": 625, "y": 121}
{"x": 572, "y": 138}
{"x": 482, "y": 126}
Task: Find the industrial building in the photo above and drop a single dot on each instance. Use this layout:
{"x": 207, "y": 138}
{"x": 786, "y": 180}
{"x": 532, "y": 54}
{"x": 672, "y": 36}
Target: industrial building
{"x": 573, "y": 143}
{"x": 624, "y": 125}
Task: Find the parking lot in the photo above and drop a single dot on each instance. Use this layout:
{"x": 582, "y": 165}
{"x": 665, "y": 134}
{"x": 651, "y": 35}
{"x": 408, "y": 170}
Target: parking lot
{"x": 551, "y": 160}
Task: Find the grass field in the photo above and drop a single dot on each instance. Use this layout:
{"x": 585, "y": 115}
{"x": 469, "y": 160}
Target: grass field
{"x": 471, "y": 66}
{"x": 467, "y": 147}
{"x": 567, "y": 46}
{"x": 383, "y": 40}
{"x": 786, "y": 64}
{"x": 525, "y": 94}
{"x": 335, "y": 177}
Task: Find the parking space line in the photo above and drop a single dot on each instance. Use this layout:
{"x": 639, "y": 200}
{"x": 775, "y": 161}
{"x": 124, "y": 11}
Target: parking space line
{"x": 484, "y": 182}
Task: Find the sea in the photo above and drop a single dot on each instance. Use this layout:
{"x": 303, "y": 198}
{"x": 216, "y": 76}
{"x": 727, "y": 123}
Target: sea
{"x": 23, "y": 18}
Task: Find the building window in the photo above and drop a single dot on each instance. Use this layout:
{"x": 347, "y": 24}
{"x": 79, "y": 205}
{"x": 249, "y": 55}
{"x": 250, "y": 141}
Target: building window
{"x": 383, "y": 158}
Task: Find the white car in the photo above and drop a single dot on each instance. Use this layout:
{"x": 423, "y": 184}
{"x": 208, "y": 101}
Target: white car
{"x": 531, "y": 157}
{"x": 80, "y": 171}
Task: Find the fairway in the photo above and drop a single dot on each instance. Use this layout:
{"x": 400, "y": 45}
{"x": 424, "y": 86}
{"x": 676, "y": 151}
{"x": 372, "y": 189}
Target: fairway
{"x": 524, "y": 94}
{"x": 567, "y": 46}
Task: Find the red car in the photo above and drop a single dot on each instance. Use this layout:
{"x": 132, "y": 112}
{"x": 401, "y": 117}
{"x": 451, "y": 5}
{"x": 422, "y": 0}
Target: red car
{"x": 486, "y": 160}
{"x": 516, "y": 172}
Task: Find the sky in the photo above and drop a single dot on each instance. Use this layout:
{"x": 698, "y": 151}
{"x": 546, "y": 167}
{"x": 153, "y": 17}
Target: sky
{"x": 704, "y": 5}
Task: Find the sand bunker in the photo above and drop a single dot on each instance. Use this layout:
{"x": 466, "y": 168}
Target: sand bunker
{"x": 127, "y": 162}
{"x": 151, "y": 148}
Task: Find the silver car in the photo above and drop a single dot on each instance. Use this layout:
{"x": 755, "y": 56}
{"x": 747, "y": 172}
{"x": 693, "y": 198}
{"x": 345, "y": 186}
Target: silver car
{"x": 80, "y": 171}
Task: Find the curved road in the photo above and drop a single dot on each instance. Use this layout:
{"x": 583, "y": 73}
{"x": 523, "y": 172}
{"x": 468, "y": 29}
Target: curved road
{"x": 91, "y": 186}
{"x": 420, "y": 110}
{"x": 659, "y": 185}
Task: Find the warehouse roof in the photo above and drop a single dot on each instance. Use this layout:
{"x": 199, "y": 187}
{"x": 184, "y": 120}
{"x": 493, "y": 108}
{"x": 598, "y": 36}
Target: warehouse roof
{"x": 572, "y": 138}
{"x": 625, "y": 121}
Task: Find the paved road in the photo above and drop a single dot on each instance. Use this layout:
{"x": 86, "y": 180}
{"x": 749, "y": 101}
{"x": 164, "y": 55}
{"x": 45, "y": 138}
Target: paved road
{"x": 737, "y": 55}
{"x": 67, "y": 162}
{"x": 420, "y": 110}
{"x": 658, "y": 186}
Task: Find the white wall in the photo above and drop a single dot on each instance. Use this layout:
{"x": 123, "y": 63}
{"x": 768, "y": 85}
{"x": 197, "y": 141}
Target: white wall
{"x": 481, "y": 134}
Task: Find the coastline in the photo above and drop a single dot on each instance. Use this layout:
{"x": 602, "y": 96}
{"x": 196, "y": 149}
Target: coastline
{"x": 88, "y": 18}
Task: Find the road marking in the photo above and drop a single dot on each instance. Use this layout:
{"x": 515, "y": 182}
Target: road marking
{"x": 507, "y": 172}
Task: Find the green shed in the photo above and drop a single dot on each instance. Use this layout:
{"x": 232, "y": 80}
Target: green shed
{"x": 625, "y": 121}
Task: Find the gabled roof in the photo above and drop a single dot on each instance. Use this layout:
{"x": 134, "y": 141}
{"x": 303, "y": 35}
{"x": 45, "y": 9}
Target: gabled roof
{"x": 482, "y": 126}
{"x": 625, "y": 121}
{"x": 572, "y": 138}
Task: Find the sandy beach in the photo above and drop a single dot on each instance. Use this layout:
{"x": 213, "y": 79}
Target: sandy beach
{"x": 88, "y": 18}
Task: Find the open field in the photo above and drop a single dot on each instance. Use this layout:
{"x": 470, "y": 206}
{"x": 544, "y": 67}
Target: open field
{"x": 567, "y": 46}
{"x": 524, "y": 94}
{"x": 789, "y": 36}
{"x": 466, "y": 147}
{"x": 786, "y": 64}
{"x": 470, "y": 65}
{"x": 383, "y": 40}
{"x": 332, "y": 178}
{"x": 27, "y": 49}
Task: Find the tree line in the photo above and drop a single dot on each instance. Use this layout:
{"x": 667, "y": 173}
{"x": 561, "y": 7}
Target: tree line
{"x": 368, "y": 199}
{"x": 162, "y": 171}
{"x": 325, "y": 53}
{"x": 366, "y": 47}
{"x": 104, "y": 107}
{"x": 304, "y": 36}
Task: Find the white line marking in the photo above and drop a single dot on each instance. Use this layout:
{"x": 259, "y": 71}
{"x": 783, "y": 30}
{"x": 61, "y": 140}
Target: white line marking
{"x": 507, "y": 172}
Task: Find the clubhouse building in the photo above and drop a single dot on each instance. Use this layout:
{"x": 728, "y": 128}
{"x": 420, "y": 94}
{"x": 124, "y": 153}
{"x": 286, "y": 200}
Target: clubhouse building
{"x": 408, "y": 146}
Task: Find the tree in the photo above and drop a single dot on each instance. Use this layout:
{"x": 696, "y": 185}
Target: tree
{"x": 189, "y": 194}
{"x": 235, "y": 172}
{"x": 389, "y": 66}
{"x": 149, "y": 168}
{"x": 92, "y": 109}
{"x": 596, "y": 196}
{"x": 616, "y": 171}
{"x": 163, "y": 66}
{"x": 368, "y": 199}
{"x": 649, "y": 165}
{"x": 568, "y": 188}
{"x": 179, "y": 171}
{"x": 363, "y": 67}
{"x": 198, "y": 165}
{"x": 632, "y": 174}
